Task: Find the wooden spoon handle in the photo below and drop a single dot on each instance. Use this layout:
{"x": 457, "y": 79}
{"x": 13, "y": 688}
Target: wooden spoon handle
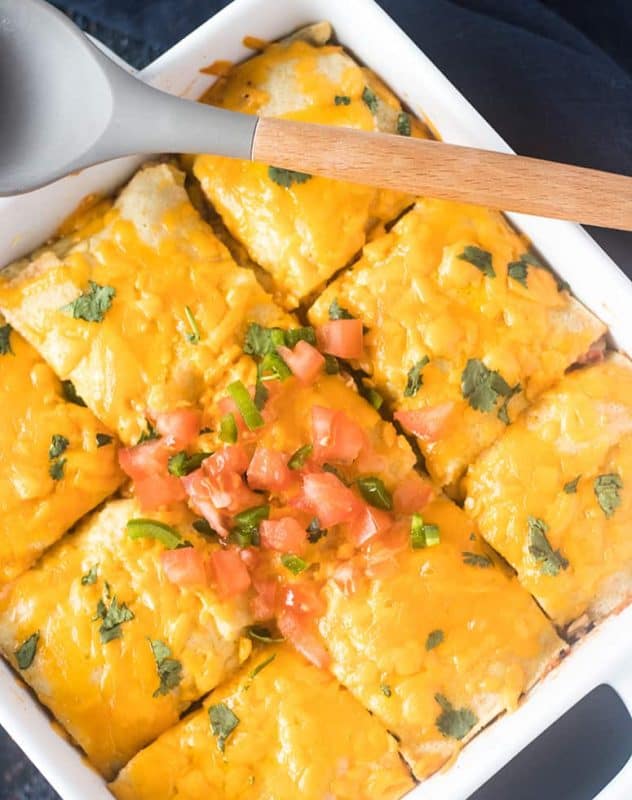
{"x": 452, "y": 172}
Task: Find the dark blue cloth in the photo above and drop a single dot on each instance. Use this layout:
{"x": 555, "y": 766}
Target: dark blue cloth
{"x": 554, "y": 77}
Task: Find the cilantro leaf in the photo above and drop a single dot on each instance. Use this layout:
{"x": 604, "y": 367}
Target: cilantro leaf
{"x": 342, "y": 100}
{"x": 571, "y": 486}
{"x": 336, "y": 311}
{"x": 259, "y": 633}
{"x": 112, "y": 618}
{"x": 286, "y": 177}
{"x": 260, "y": 341}
{"x": 253, "y": 673}
{"x": 374, "y": 492}
{"x": 435, "y": 638}
{"x": 415, "y": 378}
{"x": 295, "y": 335}
{"x": 181, "y": 464}
{"x": 149, "y": 434}
{"x": 477, "y": 560}
{"x": 403, "y": 124}
{"x": 25, "y": 654}
{"x": 70, "y": 394}
{"x": 455, "y": 723}
{"x": 58, "y": 445}
{"x": 551, "y": 561}
{"x": 92, "y": 305}
{"x": 482, "y": 386}
{"x": 57, "y": 468}
{"x": 103, "y": 439}
{"x": 370, "y": 98}
{"x": 518, "y": 271}
{"x": 481, "y": 259}
{"x": 503, "y": 410}
{"x": 90, "y": 577}
{"x": 223, "y": 723}
{"x": 314, "y": 532}
{"x": 606, "y": 489}
{"x": 5, "y": 340}
{"x": 295, "y": 564}
{"x": 169, "y": 669}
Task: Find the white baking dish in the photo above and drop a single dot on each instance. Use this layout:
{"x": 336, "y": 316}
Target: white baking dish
{"x": 606, "y": 654}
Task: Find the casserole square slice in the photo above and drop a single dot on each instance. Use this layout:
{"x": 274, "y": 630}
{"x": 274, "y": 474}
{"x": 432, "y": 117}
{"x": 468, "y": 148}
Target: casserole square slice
{"x": 435, "y": 642}
{"x": 554, "y": 494}
{"x": 145, "y": 312}
{"x": 58, "y": 461}
{"x": 465, "y": 327}
{"x": 110, "y": 645}
{"x": 290, "y": 730}
{"x": 300, "y": 228}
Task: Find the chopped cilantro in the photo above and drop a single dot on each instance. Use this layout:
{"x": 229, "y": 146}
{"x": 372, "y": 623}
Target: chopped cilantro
{"x": 92, "y": 304}
{"x": 386, "y": 689}
{"x": 336, "y": 311}
{"x": 261, "y": 666}
{"x": 286, "y": 177}
{"x": 332, "y": 367}
{"x": 342, "y": 100}
{"x": 300, "y": 456}
{"x": 228, "y": 428}
{"x": 25, "y": 654}
{"x": 168, "y": 668}
{"x": 246, "y": 530}
{"x": 551, "y": 561}
{"x": 193, "y": 335}
{"x": 260, "y": 341}
{"x": 403, "y": 124}
{"x": 70, "y": 393}
{"x": 370, "y": 98}
{"x": 141, "y": 528}
{"x": 112, "y": 618}
{"x": 203, "y": 527}
{"x": 314, "y": 532}
{"x": 57, "y": 468}
{"x": 571, "y": 486}
{"x": 149, "y": 434}
{"x": 58, "y": 445}
{"x": 481, "y": 259}
{"x": 455, "y": 723}
{"x": 90, "y": 577}
{"x": 223, "y": 723}
{"x": 415, "y": 378}
{"x": 503, "y": 410}
{"x": 606, "y": 489}
{"x": 304, "y": 334}
{"x": 295, "y": 564}
{"x": 262, "y": 634}
{"x": 477, "y": 560}
{"x": 518, "y": 271}
{"x": 5, "y": 340}
{"x": 103, "y": 439}
{"x": 374, "y": 492}
{"x": 434, "y": 639}
{"x": 182, "y": 464}
{"x": 423, "y": 534}
{"x": 482, "y": 386}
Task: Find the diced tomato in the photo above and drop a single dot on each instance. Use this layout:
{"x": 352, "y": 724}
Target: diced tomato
{"x": 156, "y": 491}
{"x": 305, "y": 361}
{"x": 428, "y": 423}
{"x": 301, "y": 631}
{"x": 341, "y": 337}
{"x": 263, "y": 604}
{"x": 268, "y": 470}
{"x": 251, "y": 557}
{"x": 144, "y": 460}
{"x": 346, "y": 576}
{"x": 232, "y": 457}
{"x": 330, "y": 499}
{"x": 286, "y": 535}
{"x": 412, "y": 494}
{"x": 367, "y": 523}
{"x": 230, "y": 572}
{"x": 381, "y": 556}
{"x": 595, "y": 353}
{"x": 179, "y": 427}
{"x": 335, "y": 436}
{"x": 303, "y": 597}
{"x": 197, "y": 490}
{"x": 184, "y": 566}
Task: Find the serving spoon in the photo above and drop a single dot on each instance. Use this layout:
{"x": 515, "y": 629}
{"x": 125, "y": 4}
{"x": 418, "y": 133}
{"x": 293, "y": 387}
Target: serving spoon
{"x": 67, "y": 106}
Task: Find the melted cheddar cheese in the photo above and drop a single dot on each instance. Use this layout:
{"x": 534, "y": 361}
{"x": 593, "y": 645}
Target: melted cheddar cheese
{"x": 104, "y": 692}
{"x": 42, "y": 496}
{"x": 442, "y": 621}
{"x": 299, "y": 734}
{"x": 160, "y": 258}
{"x": 547, "y": 467}
{"x": 420, "y": 299}
{"x": 305, "y": 232}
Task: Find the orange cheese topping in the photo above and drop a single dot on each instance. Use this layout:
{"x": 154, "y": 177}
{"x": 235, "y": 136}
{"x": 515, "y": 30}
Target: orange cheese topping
{"x": 301, "y": 233}
{"x": 578, "y": 431}
{"x": 35, "y": 507}
{"x": 421, "y": 299}
{"x": 298, "y": 734}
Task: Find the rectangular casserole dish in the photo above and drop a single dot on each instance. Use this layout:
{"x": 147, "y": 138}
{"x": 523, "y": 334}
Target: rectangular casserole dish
{"x": 368, "y": 32}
